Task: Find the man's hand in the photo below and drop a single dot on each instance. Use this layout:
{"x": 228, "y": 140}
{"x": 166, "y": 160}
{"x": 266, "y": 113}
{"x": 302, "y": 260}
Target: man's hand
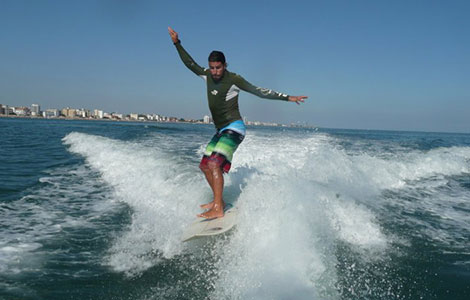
{"x": 297, "y": 99}
{"x": 173, "y": 35}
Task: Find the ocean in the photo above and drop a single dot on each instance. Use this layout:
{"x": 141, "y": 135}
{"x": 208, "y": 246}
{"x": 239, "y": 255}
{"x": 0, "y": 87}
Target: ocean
{"x": 95, "y": 210}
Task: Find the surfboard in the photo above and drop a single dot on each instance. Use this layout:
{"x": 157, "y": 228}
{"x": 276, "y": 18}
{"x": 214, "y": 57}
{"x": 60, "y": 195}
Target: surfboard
{"x": 206, "y": 227}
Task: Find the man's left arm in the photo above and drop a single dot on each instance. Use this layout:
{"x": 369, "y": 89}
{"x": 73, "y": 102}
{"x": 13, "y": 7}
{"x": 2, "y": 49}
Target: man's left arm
{"x": 266, "y": 93}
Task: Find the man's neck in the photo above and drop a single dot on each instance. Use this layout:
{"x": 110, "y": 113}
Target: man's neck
{"x": 221, "y": 77}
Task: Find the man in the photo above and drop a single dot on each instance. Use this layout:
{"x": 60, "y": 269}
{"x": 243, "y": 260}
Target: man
{"x": 223, "y": 88}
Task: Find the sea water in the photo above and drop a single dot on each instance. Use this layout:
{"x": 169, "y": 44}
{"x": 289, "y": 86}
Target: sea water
{"x": 95, "y": 210}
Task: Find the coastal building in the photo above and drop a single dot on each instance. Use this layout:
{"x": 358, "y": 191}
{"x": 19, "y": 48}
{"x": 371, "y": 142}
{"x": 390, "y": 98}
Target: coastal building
{"x": 134, "y": 116}
{"x": 51, "y": 113}
{"x": 35, "y": 110}
{"x": 155, "y": 117}
{"x": 84, "y": 113}
{"x": 206, "y": 119}
{"x": 8, "y": 110}
{"x": 98, "y": 114}
{"x": 117, "y": 116}
{"x": 68, "y": 112}
{"x": 2, "y": 109}
{"x": 22, "y": 111}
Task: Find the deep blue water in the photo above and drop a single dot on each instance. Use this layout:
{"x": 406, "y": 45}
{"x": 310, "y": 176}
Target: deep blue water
{"x": 95, "y": 210}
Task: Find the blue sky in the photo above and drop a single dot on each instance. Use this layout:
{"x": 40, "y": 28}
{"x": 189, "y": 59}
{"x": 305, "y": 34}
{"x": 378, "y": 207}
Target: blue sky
{"x": 399, "y": 65}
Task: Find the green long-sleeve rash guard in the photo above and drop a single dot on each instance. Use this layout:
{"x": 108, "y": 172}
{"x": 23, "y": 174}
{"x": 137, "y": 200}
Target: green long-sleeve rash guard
{"x": 223, "y": 94}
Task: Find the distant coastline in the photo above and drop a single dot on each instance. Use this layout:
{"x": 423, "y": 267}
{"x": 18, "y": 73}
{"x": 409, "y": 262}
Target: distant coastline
{"x": 170, "y": 120}
{"x": 102, "y": 119}
{"x": 68, "y": 113}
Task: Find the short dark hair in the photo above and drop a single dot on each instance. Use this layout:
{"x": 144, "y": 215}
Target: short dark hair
{"x": 217, "y": 56}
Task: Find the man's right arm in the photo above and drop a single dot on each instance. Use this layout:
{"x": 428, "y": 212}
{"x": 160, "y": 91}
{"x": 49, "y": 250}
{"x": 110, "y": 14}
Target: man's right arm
{"x": 188, "y": 60}
{"x": 185, "y": 57}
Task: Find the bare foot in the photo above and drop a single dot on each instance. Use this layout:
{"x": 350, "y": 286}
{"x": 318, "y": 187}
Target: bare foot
{"x": 209, "y": 205}
{"x": 212, "y": 214}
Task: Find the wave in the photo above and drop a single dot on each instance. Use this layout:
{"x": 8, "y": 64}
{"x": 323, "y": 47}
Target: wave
{"x": 300, "y": 199}
{"x": 160, "y": 188}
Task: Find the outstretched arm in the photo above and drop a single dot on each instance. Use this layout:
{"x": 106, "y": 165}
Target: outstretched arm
{"x": 185, "y": 57}
{"x": 267, "y": 93}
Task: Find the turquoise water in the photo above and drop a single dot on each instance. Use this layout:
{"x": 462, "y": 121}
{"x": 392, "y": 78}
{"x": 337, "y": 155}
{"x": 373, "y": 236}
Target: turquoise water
{"x": 95, "y": 210}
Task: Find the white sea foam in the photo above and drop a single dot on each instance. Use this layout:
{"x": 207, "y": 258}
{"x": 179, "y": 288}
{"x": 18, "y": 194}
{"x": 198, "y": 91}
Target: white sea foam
{"x": 291, "y": 216}
{"x": 159, "y": 186}
{"x": 299, "y": 196}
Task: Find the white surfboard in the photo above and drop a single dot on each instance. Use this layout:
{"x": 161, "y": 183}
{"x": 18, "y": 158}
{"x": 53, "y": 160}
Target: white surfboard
{"x": 207, "y": 227}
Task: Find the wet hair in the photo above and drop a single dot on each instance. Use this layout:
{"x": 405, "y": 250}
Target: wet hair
{"x": 216, "y": 56}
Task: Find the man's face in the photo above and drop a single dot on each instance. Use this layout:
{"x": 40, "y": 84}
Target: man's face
{"x": 217, "y": 69}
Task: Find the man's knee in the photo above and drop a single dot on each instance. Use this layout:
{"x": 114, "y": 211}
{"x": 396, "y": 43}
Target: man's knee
{"x": 203, "y": 165}
{"x": 213, "y": 165}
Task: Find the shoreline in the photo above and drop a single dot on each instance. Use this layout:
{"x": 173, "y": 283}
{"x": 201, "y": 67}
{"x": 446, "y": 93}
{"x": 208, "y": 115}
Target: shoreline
{"x": 173, "y": 121}
{"x": 94, "y": 119}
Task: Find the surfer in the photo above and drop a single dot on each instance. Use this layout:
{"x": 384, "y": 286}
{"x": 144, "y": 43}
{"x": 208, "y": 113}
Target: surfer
{"x": 223, "y": 88}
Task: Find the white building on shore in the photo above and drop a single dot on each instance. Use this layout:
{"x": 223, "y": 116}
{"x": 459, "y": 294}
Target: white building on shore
{"x": 98, "y": 114}
{"x": 51, "y": 113}
{"x": 117, "y": 116}
{"x": 35, "y": 110}
{"x": 21, "y": 111}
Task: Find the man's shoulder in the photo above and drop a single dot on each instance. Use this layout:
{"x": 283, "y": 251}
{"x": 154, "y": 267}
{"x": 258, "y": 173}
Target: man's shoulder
{"x": 234, "y": 76}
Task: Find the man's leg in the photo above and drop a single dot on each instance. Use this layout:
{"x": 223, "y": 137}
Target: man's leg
{"x": 204, "y": 166}
{"x": 215, "y": 175}
{"x": 221, "y": 147}
{"x": 208, "y": 174}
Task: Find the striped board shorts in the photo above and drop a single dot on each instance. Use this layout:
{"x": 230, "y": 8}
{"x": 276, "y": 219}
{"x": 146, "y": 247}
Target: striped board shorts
{"x": 221, "y": 148}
